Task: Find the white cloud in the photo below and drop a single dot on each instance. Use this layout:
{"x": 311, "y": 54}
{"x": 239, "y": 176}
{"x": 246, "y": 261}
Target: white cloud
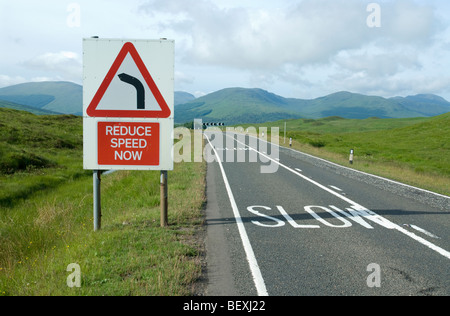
{"x": 295, "y": 48}
{"x": 6, "y": 80}
{"x": 307, "y": 44}
{"x": 311, "y": 31}
{"x": 63, "y": 64}
{"x": 183, "y": 79}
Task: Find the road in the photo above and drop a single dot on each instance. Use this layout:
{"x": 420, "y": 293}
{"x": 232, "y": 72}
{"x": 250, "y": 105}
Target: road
{"x": 288, "y": 224}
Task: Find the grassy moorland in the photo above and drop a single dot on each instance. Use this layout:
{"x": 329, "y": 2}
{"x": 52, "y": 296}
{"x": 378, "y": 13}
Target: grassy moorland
{"x": 415, "y": 151}
{"x": 46, "y": 218}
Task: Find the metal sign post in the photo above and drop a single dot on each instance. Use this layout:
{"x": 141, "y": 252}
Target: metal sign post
{"x": 164, "y": 199}
{"x": 97, "y": 200}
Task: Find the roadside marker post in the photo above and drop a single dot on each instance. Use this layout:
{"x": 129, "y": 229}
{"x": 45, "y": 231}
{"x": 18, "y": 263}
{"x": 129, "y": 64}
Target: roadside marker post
{"x": 128, "y": 110}
{"x": 351, "y": 156}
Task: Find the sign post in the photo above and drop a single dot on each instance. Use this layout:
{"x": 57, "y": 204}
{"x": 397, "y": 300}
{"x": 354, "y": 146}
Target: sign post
{"x": 128, "y": 107}
{"x": 164, "y": 200}
{"x": 97, "y": 200}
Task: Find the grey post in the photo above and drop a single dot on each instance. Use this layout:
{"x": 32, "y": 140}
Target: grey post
{"x": 164, "y": 199}
{"x": 97, "y": 200}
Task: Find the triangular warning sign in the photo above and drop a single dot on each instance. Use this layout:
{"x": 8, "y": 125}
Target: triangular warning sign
{"x": 139, "y": 110}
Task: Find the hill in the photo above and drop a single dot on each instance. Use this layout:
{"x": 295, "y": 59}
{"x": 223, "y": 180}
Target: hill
{"x": 182, "y": 97}
{"x": 55, "y": 96}
{"x": 358, "y": 106}
{"x": 239, "y": 106}
{"x": 20, "y": 107}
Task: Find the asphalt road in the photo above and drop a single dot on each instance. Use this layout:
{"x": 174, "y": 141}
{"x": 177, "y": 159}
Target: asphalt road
{"x": 288, "y": 224}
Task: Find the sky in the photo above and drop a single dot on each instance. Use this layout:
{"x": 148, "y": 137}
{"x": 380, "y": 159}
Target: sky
{"x": 294, "y": 48}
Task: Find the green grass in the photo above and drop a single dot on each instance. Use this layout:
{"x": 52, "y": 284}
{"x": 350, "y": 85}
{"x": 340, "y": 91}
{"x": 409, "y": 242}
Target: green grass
{"x": 37, "y": 152}
{"x": 131, "y": 255}
{"x": 414, "y": 151}
{"x": 46, "y": 220}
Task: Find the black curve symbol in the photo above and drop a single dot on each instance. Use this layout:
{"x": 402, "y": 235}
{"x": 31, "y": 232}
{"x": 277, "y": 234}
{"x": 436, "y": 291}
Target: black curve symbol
{"x": 140, "y": 91}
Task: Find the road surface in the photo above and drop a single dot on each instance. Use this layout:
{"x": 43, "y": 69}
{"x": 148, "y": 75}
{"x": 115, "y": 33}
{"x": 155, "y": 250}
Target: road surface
{"x": 290, "y": 224}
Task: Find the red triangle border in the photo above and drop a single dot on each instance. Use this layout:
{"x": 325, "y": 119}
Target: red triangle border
{"x": 131, "y": 49}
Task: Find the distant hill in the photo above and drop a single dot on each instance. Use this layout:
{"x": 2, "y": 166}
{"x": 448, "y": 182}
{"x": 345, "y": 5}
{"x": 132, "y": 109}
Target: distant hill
{"x": 182, "y": 97}
{"x": 20, "y": 107}
{"x": 57, "y": 96}
{"x": 239, "y": 106}
{"x": 358, "y": 106}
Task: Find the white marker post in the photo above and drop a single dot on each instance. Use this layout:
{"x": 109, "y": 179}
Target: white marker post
{"x": 351, "y": 156}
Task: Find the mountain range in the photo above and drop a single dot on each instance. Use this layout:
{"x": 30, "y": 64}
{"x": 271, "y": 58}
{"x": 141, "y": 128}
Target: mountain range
{"x": 239, "y": 105}
{"x": 234, "y": 105}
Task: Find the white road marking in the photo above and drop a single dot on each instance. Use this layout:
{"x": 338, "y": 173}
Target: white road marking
{"x": 336, "y": 188}
{"x": 299, "y": 170}
{"x": 379, "y": 219}
{"x": 423, "y": 231}
{"x": 251, "y": 258}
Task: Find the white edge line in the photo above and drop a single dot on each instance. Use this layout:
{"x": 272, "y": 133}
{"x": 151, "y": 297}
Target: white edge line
{"x": 251, "y": 258}
{"x": 421, "y": 240}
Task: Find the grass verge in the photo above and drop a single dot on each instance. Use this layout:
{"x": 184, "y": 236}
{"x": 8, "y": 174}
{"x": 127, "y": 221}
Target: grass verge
{"x": 414, "y": 151}
{"x": 50, "y": 229}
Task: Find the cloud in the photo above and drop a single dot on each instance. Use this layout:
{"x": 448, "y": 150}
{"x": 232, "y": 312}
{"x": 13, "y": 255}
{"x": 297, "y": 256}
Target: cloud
{"x": 408, "y": 22}
{"x": 311, "y": 31}
{"x": 183, "y": 79}
{"x": 65, "y": 65}
{"x": 375, "y": 62}
{"x": 6, "y": 80}
{"x": 309, "y": 47}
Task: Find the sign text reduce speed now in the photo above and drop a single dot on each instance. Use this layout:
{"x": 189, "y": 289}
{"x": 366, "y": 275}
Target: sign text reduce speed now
{"x": 128, "y": 143}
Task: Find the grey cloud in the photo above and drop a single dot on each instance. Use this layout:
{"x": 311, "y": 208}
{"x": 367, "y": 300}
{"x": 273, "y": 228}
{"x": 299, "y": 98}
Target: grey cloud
{"x": 312, "y": 31}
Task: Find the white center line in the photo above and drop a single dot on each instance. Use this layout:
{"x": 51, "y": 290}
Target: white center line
{"x": 357, "y": 206}
{"x": 336, "y": 188}
{"x": 423, "y": 231}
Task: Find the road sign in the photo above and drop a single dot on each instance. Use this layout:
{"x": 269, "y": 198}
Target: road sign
{"x": 121, "y": 103}
{"x": 128, "y": 104}
{"x": 123, "y": 143}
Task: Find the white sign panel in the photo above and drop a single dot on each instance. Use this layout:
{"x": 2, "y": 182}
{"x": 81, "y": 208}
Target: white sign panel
{"x": 128, "y": 104}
